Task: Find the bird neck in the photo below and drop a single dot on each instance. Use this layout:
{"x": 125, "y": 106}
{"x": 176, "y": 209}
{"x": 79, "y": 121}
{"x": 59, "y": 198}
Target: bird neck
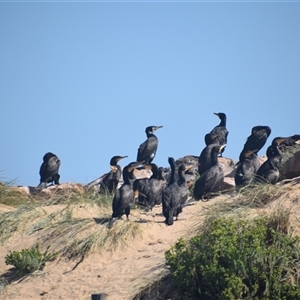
{"x": 181, "y": 175}
{"x": 172, "y": 177}
{"x": 276, "y": 150}
{"x": 223, "y": 122}
{"x": 214, "y": 157}
{"x": 150, "y": 134}
{"x": 155, "y": 172}
{"x": 127, "y": 176}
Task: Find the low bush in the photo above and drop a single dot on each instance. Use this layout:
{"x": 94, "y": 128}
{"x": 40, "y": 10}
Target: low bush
{"x": 29, "y": 260}
{"x": 237, "y": 259}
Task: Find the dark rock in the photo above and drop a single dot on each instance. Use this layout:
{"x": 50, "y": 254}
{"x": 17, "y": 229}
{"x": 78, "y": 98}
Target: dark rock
{"x": 291, "y": 168}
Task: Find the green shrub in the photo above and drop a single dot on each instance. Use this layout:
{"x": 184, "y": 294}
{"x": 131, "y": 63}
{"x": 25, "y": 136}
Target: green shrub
{"x": 237, "y": 259}
{"x": 29, "y": 260}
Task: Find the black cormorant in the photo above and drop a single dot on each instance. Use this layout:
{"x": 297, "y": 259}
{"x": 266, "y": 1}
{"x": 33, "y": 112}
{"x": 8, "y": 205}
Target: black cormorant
{"x": 149, "y": 192}
{"x": 123, "y": 197}
{"x": 110, "y": 181}
{"x": 257, "y": 139}
{"x": 49, "y": 170}
{"x": 247, "y": 167}
{"x": 212, "y": 179}
{"x": 161, "y": 177}
{"x": 172, "y": 177}
{"x": 147, "y": 149}
{"x": 268, "y": 171}
{"x": 205, "y": 155}
{"x": 291, "y": 140}
{"x": 221, "y": 130}
{"x": 174, "y": 195}
{"x": 172, "y": 172}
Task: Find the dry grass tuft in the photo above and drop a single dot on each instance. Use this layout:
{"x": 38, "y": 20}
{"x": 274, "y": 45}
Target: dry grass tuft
{"x": 122, "y": 233}
{"x": 10, "y": 196}
{"x": 17, "y": 221}
{"x": 163, "y": 287}
{"x": 261, "y": 194}
{"x": 73, "y": 236}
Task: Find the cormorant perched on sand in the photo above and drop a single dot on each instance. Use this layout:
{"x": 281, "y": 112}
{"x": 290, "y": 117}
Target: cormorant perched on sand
{"x": 124, "y": 195}
{"x": 257, "y": 139}
{"x": 147, "y": 149}
{"x": 189, "y": 172}
{"x": 247, "y": 167}
{"x": 268, "y": 171}
{"x": 49, "y": 170}
{"x": 110, "y": 181}
{"x": 212, "y": 179}
{"x": 221, "y": 130}
{"x": 205, "y": 155}
{"x": 149, "y": 192}
{"x": 174, "y": 195}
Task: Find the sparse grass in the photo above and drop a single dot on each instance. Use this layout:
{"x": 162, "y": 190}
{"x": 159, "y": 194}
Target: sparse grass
{"x": 17, "y": 221}
{"x": 122, "y": 233}
{"x": 260, "y": 194}
{"x": 75, "y": 236}
{"x": 3, "y": 284}
{"x": 161, "y": 288}
{"x": 12, "y": 197}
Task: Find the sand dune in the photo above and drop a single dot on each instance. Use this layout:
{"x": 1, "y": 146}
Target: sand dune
{"x": 119, "y": 274}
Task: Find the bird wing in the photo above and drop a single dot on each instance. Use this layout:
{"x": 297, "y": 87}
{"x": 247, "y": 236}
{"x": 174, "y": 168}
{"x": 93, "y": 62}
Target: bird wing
{"x": 147, "y": 148}
{"x": 122, "y": 198}
{"x": 49, "y": 168}
{"x": 221, "y": 133}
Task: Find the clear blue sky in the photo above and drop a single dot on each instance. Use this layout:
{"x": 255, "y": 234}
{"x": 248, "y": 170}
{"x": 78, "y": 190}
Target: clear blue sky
{"x": 83, "y": 80}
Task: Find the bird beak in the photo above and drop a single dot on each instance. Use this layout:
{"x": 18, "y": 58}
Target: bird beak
{"x": 135, "y": 194}
{"x": 188, "y": 167}
{"x": 133, "y": 166}
{"x": 121, "y": 157}
{"x": 217, "y": 115}
{"x": 248, "y": 153}
{"x": 221, "y": 147}
{"x": 279, "y": 140}
{"x": 156, "y": 127}
{"x": 190, "y": 184}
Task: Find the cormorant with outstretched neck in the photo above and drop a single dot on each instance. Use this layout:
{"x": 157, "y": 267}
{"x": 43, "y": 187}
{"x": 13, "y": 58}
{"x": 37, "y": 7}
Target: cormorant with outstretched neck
{"x": 124, "y": 195}
{"x": 205, "y": 155}
{"x": 175, "y": 194}
{"x": 110, "y": 181}
{"x": 212, "y": 179}
{"x": 247, "y": 167}
{"x": 221, "y": 130}
{"x": 148, "y": 148}
{"x": 149, "y": 192}
{"x": 257, "y": 139}
{"x": 49, "y": 170}
{"x": 268, "y": 171}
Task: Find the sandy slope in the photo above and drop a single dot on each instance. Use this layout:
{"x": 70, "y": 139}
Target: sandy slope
{"x": 118, "y": 274}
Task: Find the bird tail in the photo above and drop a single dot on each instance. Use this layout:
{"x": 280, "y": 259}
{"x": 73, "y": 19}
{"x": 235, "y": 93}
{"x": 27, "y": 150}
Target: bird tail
{"x": 111, "y": 222}
{"x": 41, "y": 186}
